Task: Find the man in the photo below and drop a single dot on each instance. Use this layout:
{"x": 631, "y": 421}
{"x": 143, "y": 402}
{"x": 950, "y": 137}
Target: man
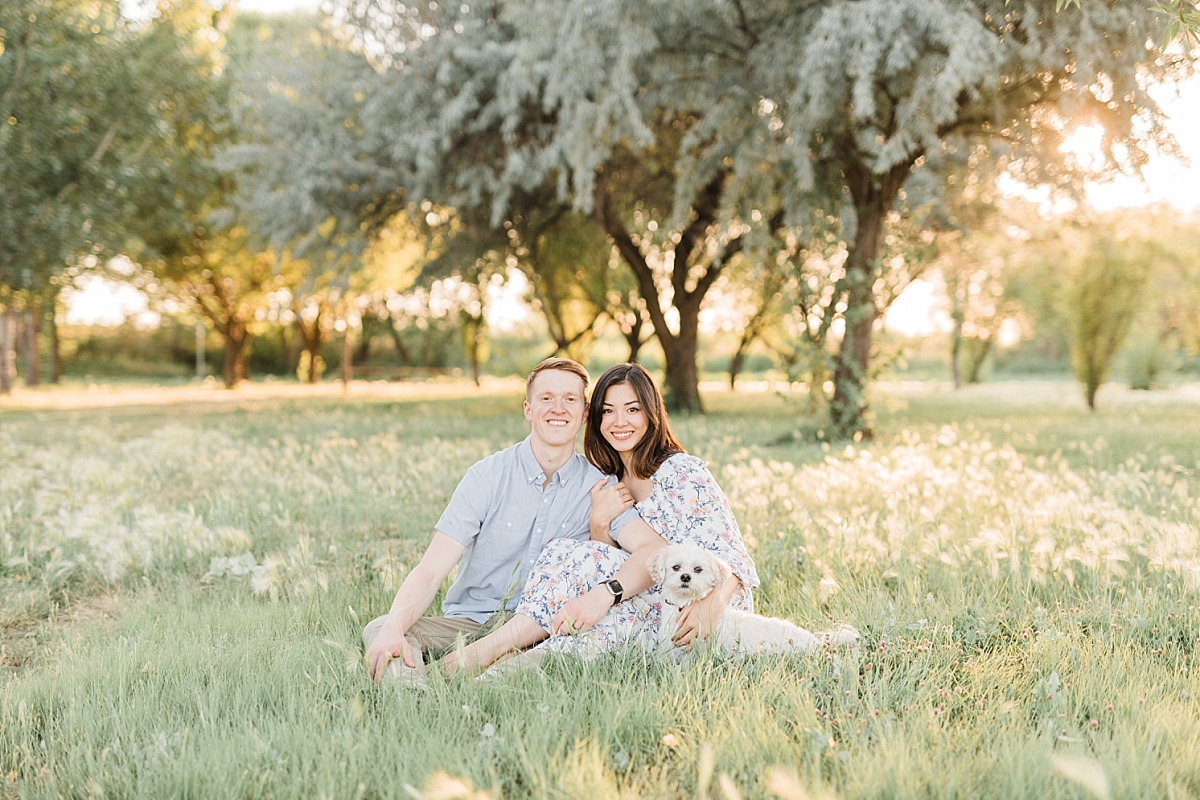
{"x": 506, "y": 508}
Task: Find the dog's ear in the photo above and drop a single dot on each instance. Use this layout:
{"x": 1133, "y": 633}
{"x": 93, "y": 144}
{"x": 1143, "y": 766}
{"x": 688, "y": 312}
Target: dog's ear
{"x": 658, "y": 565}
{"x": 723, "y": 570}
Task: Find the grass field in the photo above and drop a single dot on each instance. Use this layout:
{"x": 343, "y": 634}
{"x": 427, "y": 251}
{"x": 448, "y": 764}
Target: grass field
{"x": 1025, "y": 575}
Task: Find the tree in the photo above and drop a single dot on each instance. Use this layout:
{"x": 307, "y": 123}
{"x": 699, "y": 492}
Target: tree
{"x": 561, "y": 254}
{"x": 88, "y": 102}
{"x": 758, "y": 114}
{"x": 1162, "y": 335}
{"x": 871, "y": 90}
{"x": 1103, "y": 296}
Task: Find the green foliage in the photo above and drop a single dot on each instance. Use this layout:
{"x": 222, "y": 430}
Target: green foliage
{"x": 745, "y": 120}
{"x": 1102, "y": 298}
{"x": 1147, "y": 359}
{"x": 93, "y": 108}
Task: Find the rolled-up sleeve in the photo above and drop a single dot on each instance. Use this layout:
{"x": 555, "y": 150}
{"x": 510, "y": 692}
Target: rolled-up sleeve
{"x": 624, "y": 518}
{"x": 464, "y": 516}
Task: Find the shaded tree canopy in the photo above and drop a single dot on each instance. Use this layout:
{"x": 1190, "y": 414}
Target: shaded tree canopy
{"x": 92, "y": 107}
{"x": 783, "y": 107}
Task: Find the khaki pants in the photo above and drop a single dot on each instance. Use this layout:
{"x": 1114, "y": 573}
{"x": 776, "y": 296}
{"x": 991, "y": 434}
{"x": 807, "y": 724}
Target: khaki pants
{"x": 428, "y": 634}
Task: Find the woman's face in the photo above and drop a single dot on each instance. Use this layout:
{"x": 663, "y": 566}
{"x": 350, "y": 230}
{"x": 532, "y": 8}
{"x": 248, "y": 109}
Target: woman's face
{"x": 623, "y": 420}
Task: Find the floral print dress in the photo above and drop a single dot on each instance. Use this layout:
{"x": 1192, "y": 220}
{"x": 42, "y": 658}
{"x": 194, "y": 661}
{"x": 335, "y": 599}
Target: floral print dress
{"x": 685, "y": 504}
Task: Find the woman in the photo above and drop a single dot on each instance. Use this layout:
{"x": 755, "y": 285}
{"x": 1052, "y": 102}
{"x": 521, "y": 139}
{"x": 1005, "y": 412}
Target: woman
{"x": 570, "y": 596}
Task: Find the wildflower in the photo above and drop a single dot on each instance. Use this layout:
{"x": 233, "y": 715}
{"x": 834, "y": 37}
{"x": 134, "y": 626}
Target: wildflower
{"x": 441, "y": 786}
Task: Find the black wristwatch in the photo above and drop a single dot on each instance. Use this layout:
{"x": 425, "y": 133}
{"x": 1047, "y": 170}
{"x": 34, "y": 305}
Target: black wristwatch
{"x": 615, "y": 589}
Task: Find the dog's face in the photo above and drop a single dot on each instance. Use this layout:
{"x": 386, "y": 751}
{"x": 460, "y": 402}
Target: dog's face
{"x": 687, "y": 572}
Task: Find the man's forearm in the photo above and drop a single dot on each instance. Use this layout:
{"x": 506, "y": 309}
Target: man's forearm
{"x": 421, "y": 585}
{"x": 411, "y": 601}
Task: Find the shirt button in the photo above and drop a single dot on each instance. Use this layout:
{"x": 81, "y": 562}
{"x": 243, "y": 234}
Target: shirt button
{"x": 547, "y": 500}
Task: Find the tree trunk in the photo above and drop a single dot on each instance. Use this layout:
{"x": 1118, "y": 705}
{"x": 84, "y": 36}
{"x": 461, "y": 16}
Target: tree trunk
{"x": 634, "y": 337}
{"x": 362, "y": 351}
{"x": 313, "y": 350}
{"x": 8, "y": 355}
{"x": 979, "y": 353}
{"x": 311, "y": 341}
{"x": 33, "y": 360}
{"x": 473, "y": 341}
{"x": 347, "y": 359}
{"x": 291, "y": 349}
{"x": 849, "y": 410}
{"x": 751, "y": 332}
{"x": 201, "y": 356}
{"x": 635, "y": 348}
{"x": 735, "y": 363}
{"x": 398, "y": 341}
{"x": 55, "y": 346}
{"x": 682, "y": 390}
{"x": 850, "y": 414}
{"x": 237, "y": 339}
{"x": 956, "y": 336}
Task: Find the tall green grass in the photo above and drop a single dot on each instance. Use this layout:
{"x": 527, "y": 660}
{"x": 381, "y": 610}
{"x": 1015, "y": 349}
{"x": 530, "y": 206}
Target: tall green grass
{"x": 1024, "y": 574}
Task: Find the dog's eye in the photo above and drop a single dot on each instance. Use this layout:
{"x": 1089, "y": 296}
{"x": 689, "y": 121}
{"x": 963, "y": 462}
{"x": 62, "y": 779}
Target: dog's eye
{"x": 698, "y": 570}
{"x": 675, "y": 568}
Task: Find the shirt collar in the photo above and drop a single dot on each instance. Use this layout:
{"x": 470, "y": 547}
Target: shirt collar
{"x": 533, "y": 470}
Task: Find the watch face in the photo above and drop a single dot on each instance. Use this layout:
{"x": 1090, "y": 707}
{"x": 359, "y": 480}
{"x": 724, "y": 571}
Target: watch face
{"x": 615, "y": 587}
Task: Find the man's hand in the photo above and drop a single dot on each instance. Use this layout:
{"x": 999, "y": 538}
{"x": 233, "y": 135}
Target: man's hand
{"x": 390, "y": 643}
{"x": 582, "y": 613}
{"x": 607, "y": 504}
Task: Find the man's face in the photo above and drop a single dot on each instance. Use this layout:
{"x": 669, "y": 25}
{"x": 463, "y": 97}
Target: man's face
{"x": 556, "y": 407}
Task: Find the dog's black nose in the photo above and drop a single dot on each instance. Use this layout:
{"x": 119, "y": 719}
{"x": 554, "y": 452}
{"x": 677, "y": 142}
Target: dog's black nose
{"x": 685, "y": 578}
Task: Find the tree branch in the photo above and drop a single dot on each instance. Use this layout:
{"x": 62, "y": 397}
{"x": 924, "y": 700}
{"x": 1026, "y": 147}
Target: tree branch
{"x": 715, "y": 268}
{"x": 102, "y": 148}
{"x": 602, "y": 212}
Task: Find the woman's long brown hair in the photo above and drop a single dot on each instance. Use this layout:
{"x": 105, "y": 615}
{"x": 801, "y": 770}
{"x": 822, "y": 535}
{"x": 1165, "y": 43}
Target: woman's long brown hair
{"x": 656, "y": 446}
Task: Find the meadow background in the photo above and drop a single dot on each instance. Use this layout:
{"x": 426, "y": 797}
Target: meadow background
{"x": 366, "y": 221}
{"x": 1024, "y": 574}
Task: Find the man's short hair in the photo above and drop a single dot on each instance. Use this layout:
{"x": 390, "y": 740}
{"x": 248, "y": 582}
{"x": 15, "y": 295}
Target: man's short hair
{"x": 566, "y": 365}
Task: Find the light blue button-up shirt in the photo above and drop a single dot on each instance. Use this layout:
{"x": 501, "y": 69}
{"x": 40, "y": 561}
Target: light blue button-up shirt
{"x": 503, "y": 515}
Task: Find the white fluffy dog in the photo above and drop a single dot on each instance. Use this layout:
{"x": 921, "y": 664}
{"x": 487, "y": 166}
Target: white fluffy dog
{"x": 688, "y": 572}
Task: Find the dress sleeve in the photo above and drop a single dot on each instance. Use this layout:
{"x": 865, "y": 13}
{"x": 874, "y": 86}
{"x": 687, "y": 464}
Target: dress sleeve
{"x": 707, "y": 518}
{"x": 624, "y": 518}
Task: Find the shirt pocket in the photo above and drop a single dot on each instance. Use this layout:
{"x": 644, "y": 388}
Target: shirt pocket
{"x": 574, "y": 523}
{"x": 504, "y": 539}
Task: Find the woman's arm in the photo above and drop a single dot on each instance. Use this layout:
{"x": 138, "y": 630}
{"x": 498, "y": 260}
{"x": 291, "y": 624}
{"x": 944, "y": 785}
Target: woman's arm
{"x": 608, "y": 502}
{"x": 711, "y": 524}
{"x": 634, "y": 575}
{"x": 700, "y": 618}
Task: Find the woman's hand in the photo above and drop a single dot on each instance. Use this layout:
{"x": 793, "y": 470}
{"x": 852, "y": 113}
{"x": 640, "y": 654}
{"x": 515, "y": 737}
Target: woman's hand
{"x": 607, "y": 504}
{"x": 699, "y": 619}
{"x": 582, "y": 613}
